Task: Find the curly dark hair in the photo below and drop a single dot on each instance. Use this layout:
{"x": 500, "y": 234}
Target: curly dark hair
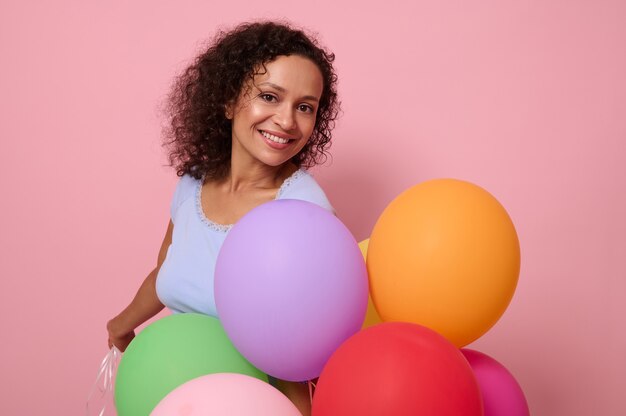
{"x": 198, "y": 137}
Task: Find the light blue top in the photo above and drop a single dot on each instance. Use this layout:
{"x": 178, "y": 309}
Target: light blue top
{"x": 185, "y": 280}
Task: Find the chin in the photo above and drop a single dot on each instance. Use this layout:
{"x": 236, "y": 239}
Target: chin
{"x": 274, "y": 161}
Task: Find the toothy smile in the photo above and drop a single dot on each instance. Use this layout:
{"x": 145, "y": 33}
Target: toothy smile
{"x": 273, "y": 138}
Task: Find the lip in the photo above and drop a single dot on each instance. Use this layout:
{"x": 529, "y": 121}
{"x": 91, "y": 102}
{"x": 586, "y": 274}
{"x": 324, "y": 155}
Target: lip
{"x": 274, "y": 145}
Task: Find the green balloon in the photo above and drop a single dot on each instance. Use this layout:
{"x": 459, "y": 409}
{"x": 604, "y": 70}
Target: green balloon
{"x": 170, "y": 352}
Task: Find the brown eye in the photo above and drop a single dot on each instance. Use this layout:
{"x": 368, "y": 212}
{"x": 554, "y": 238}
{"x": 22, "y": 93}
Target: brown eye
{"x": 305, "y": 108}
{"x": 268, "y": 98}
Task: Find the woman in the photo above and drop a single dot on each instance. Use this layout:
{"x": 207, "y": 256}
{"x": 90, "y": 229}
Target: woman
{"x": 252, "y": 110}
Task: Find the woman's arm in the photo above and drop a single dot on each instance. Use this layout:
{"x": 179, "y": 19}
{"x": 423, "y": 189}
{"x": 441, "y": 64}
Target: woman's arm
{"x": 144, "y": 305}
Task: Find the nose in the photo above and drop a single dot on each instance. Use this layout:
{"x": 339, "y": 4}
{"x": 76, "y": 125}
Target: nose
{"x": 285, "y": 117}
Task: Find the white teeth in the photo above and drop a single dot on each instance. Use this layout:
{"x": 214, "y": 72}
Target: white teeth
{"x": 273, "y": 138}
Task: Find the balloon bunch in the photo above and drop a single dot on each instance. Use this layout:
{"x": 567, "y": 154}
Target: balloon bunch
{"x": 291, "y": 289}
{"x": 443, "y": 262}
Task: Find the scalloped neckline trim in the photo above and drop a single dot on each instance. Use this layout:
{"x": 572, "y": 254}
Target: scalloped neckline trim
{"x": 223, "y": 228}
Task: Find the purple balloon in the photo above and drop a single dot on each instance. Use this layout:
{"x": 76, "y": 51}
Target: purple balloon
{"x": 502, "y": 395}
{"x": 290, "y": 287}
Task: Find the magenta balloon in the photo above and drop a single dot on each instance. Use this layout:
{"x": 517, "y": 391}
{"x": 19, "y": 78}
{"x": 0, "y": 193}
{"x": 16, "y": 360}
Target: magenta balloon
{"x": 502, "y": 395}
{"x": 290, "y": 287}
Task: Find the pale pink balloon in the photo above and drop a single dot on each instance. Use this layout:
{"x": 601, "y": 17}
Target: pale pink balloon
{"x": 502, "y": 395}
{"x": 225, "y": 394}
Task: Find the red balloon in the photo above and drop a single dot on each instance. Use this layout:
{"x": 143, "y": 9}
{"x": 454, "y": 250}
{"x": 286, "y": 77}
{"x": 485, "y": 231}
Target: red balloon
{"x": 397, "y": 369}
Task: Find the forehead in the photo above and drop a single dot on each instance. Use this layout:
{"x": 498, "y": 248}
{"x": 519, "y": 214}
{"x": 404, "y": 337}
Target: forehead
{"x": 295, "y": 74}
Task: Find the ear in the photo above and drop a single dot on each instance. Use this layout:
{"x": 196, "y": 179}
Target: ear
{"x": 228, "y": 111}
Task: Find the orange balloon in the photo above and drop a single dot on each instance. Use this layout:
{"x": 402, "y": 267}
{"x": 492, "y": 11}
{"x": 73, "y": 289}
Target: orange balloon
{"x": 371, "y": 317}
{"x": 444, "y": 254}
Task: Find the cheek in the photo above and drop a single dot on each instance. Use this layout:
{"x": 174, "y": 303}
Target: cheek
{"x": 250, "y": 113}
{"x": 256, "y": 110}
{"x": 308, "y": 125}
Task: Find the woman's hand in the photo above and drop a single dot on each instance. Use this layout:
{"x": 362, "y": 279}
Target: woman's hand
{"x": 120, "y": 339}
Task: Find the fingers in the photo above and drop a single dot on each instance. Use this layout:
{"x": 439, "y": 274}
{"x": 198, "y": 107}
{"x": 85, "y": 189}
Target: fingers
{"x": 121, "y": 342}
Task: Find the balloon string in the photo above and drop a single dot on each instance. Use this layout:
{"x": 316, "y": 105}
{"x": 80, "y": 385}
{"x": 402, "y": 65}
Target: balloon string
{"x": 311, "y": 388}
{"x": 106, "y": 374}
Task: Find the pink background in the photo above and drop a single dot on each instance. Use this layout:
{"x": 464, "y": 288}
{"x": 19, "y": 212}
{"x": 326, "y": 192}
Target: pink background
{"x": 525, "y": 98}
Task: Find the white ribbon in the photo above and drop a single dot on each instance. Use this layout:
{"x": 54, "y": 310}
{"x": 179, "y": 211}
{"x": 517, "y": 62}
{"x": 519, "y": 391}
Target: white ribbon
{"x": 105, "y": 381}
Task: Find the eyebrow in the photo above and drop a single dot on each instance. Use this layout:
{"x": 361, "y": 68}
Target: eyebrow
{"x": 281, "y": 89}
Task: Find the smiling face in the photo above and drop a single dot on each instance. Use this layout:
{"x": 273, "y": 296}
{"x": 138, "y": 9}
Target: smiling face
{"x": 275, "y": 114}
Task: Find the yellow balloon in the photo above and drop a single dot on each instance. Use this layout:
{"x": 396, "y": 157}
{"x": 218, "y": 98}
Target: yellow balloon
{"x": 371, "y": 317}
{"x": 444, "y": 254}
